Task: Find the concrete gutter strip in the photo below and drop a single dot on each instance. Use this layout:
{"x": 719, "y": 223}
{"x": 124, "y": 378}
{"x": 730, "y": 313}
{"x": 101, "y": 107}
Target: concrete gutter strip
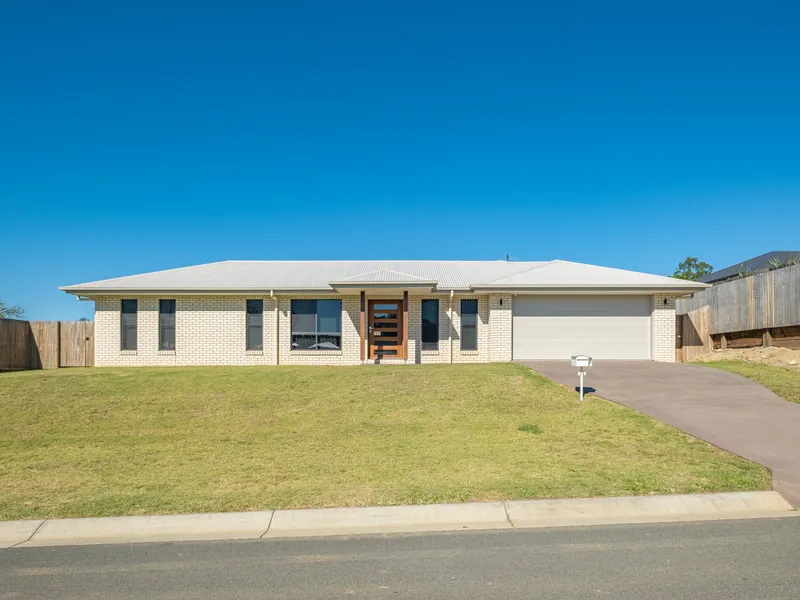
{"x": 16, "y": 532}
{"x": 120, "y": 530}
{"x": 388, "y": 519}
{"x": 645, "y": 509}
{"x": 394, "y": 519}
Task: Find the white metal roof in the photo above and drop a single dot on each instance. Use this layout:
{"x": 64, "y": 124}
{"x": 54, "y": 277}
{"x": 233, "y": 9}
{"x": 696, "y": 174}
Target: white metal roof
{"x": 385, "y": 276}
{"x": 563, "y": 273}
{"x": 281, "y": 276}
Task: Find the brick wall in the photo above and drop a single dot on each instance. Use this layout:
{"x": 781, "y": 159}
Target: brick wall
{"x": 663, "y": 328}
{"x": 415, "y": 352}
{"x": 210, "y": 330}
{"x": 481, "y": 355}
{"x": 500, "y": 319}
{"x": 449, "y": 331}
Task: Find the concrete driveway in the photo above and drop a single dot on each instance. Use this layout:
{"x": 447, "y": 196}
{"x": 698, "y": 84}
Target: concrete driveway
{"x": 725, "y": 409}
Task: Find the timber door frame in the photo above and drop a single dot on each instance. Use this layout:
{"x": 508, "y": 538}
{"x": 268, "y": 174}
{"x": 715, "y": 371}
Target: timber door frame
{"x": 384, "y": 325}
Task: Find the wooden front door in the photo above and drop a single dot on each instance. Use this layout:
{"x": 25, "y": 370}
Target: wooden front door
{"x": 386, "y": 329}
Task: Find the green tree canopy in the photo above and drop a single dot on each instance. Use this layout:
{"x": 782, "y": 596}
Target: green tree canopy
{"x": 692, "y": 269}
{"x": 10, "y": 312}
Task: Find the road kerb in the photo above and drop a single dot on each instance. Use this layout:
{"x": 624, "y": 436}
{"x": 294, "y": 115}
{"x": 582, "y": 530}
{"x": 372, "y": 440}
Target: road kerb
{"x": 388, "y": 519}
{"x": 645, "y": 509}
{"x": 16, "y": 532}
{"x": 116, "y": 530}
{"x": 394, "y": 519}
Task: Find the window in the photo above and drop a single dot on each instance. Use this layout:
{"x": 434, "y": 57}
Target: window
{"x": 430, "y": 324}
{"x": 255, "y": 324}
{"x": 128, "y": 325}
{"x": 166, "y": 324}
{"x": 469, "y": 324}
{"x": 316, "y": 324}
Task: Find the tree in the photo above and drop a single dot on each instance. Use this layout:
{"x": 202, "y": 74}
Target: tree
{"x": 10, "y": 312}
{"x": 692, "y": 269}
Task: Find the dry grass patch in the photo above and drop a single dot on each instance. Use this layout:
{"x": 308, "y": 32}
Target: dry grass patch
{"x": 779, "y": 357}
{"x": 96, "y": 442}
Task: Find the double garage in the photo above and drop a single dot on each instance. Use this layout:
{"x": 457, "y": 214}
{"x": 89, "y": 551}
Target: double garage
{"x": 556, "y": 327}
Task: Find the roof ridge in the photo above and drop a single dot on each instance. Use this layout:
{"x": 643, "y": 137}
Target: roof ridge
{"x": 515, "y": 273}
{"x": 409, "y": 275}
{"x": 572, "y": 262}
{"x": 401, "y": 273}
{"x": 383, "y": 260}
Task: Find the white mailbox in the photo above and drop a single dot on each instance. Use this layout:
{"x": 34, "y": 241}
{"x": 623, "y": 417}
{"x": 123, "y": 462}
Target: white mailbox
{"x": 581, "y": 361}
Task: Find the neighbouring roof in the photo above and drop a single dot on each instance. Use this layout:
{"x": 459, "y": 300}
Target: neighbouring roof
{"x": 283, "y": 276}
{"x": 754, "y": 264}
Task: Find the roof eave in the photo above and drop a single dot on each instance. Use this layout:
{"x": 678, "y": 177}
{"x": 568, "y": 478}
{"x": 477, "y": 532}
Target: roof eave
{"x": 687, "y": 288}
{"x": 191, "y": 291}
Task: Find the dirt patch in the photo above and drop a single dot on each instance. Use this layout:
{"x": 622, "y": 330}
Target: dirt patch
{"x": 781, "y": 357}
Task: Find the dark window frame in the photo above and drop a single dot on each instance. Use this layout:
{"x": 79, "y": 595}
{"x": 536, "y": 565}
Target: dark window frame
{"x": 128, "y": 321}
{"x": 316, "y": 333}
{"x": 254, "y": 321}
{"x": 430, "y": 332}
{"x": 469, "y": 324}
{"x": 166, "y": 324}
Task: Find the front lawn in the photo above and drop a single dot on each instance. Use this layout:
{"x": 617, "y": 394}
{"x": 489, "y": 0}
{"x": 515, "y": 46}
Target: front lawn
{"x": 784, "y": 381}
{"x": 96, "y": 442}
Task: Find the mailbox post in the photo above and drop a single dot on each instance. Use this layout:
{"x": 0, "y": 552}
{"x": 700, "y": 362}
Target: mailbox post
{"x": 582, "y": 362}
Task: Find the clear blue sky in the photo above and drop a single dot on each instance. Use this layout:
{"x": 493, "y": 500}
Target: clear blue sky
{"x": 149, "y": 135}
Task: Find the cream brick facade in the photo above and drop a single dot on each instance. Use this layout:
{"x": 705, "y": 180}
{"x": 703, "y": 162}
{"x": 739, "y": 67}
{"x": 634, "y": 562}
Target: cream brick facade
{"x": 210, "y": 330}
{"x": 500, "y": 319}
{"x": 662, "y": 323}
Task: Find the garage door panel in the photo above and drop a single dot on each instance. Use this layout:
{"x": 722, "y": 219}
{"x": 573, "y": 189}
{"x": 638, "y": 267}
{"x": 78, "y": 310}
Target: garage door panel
{"x": 555, "y": 327}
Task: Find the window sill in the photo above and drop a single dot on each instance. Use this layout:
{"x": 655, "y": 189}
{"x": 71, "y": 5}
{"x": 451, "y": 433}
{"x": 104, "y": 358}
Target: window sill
{"x": 313, "y": 352}
{"x": 470, "y": 352}
{"x": 166, "y": 352}
{"x": 128, "y": 352}
{"x": 254, "y": 352}
{"x": 429, "y": 352}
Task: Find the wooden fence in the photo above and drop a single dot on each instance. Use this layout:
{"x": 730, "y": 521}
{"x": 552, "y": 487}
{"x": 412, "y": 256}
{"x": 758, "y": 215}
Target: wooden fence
{"x": 77, "y": 344}
{"x": 693, "y": 334}
{"x": 28, "y": 345}
{"x": 760, "y": 310}
{"x": 761, "y": 301}
{"x": 693, "y": 302}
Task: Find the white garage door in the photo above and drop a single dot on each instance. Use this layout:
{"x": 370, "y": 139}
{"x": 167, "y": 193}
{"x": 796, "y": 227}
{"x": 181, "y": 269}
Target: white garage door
{"x": 600, "y": 326}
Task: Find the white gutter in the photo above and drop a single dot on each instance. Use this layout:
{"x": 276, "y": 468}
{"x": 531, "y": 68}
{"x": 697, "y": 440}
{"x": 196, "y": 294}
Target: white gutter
{"x": 593, "y": 288}
{"x": 188, "y": 291}
{"x": 277, "y": 329}
{"x": 450, "y": 326}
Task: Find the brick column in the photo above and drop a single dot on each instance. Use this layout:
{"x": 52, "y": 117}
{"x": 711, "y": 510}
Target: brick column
{"x": 500, "y": 314}
{"x": 662, "y": 335}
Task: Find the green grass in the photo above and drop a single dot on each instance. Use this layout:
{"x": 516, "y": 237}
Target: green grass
{"x": 96, "y": 442}
{"x": 784, "y": 381}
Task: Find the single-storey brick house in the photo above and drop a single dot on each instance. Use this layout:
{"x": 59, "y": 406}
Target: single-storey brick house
{"x": 358, "y": 312}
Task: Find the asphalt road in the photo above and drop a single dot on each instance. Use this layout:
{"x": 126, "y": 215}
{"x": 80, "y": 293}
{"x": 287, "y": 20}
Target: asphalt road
{"x": 749, "y": 559}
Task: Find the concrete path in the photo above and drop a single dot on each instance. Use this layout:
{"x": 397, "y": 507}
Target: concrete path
{"x": 717, "y": 560}
{"x": 726, "y": 409}
{"x": 393, "y": 519}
